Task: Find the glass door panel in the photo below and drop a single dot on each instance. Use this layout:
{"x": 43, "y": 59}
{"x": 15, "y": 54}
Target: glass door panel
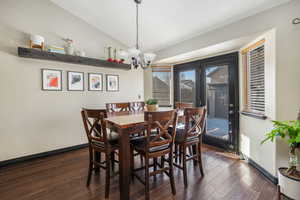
{"x": 217, "y": 101}
{"x": 214, "y": 83}
{"x": 187, "y": 92}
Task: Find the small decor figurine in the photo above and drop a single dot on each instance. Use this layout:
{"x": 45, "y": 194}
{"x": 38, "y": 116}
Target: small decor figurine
{"x": 37, "y": 41}
{"x": 69, "y": 48}
{"x": 109, "y": 57}
{"x": 115, "y": 56}
{"x": 80, "y": 53}
{"x": 122, "y": 54}
{"x": 152, "y": 105}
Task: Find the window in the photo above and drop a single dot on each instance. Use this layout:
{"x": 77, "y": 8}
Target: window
{"x": 161, "y": 79}
{"x": 187, "y": 90}
{"x": 254, "y": 78}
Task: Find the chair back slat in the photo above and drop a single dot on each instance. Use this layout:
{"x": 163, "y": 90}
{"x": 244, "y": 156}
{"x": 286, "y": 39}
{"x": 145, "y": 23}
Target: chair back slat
{"x": 93, "y": 124}
{"x": 117, "y": 107}
{"x": 137, "y": 106}
{"x": 195, "y": 119}
{"x": 162, "y": 122}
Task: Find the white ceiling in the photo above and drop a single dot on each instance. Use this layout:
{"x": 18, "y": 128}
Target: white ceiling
{"x": 163, "y": 22}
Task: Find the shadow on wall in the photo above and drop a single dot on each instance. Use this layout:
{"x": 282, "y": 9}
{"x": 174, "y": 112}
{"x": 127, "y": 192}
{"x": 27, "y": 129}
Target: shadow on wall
{"x": 11, "y": 38}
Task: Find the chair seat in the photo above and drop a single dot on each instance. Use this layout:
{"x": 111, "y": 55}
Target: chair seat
{"x": 180, "y": 136}
{"x": 112, "y": 137}
{"x": 139, "y": 144}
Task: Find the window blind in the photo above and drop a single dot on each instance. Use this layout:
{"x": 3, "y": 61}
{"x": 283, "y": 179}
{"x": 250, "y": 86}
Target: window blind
{"x": 161, "y": 78}
{"x": 256, "y": 80}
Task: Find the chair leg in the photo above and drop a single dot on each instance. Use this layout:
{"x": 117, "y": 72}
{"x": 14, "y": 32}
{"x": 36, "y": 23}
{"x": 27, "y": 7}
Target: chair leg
{"x": 132, "y": 163}
{"x": 162, "y": 161}
{"x": 155, "y": 166}
{"x": 176, "y": 153}
{"x": 191, "y": 153}
{"x": 190, "y": 150}
{"x": 89, "y": 173}
{"x": 112, "y": 155}
{"x": 97, "y": 158}
{"x": 278, "y": 192}
{"x": 107, "y": 176}
{"x": 147, "y": 178}
{"x": 180, "y": 154}
{"x": 199, "y": 152}
{"x": 172, "y": 174}
{"x": 184, "y": 165}
{"x": 141, "y": 158}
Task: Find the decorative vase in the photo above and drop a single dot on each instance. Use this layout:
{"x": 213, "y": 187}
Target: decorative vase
{"x": 69, "y": 50}
{"x": 152, "y": 108}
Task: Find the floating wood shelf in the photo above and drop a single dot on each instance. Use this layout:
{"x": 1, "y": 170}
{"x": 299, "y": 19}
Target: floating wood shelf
{"x": 44, "y": 55}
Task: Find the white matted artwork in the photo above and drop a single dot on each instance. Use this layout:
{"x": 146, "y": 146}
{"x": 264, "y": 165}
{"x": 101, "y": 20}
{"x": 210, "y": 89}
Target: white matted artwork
{"x": 95, "y": 82}
{"x": 75, "y": 81}
{"x": 112, "y": 83}
{"x": 51, "y": 80}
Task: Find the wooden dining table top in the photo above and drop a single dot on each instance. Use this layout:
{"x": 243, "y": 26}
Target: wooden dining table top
{"x": 126, "y": 119}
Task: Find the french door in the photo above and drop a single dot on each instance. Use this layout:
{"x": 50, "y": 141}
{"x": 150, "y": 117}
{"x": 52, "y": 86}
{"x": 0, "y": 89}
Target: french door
{"x": 212, "y": 83}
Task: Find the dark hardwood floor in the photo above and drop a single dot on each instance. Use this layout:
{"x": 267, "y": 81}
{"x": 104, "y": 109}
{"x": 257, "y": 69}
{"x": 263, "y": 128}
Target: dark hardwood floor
{"x": 63, "y": 176}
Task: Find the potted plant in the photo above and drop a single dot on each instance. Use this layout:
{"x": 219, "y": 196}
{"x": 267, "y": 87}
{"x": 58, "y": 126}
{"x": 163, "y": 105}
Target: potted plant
{"x": 152, "y": 105}
{"x": 289, "y": 178}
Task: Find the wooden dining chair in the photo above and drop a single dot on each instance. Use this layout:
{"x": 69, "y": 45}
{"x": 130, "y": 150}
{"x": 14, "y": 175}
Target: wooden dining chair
{"x": 182, "y": 105}
{"x": 117, "y": 107}
{"x": 189, "y": 135}
{"x": 100, "y": 141}
{"x": 137, "y": 106}
{"x": 155, "y": 146}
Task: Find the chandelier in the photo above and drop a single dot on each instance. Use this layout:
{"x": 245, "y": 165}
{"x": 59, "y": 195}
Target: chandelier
{"x": 135, "y": 55}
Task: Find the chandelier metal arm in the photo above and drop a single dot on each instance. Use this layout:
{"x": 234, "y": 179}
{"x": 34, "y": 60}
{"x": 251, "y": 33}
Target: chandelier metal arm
{"x": 138, "y": 58}
{"x": 137, "y": 25}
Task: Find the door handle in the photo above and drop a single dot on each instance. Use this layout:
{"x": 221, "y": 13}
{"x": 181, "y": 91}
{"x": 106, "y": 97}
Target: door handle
{"x": 231, "y": 112}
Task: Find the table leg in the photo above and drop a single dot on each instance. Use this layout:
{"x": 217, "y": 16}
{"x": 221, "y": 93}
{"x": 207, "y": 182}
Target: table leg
{"x": 124, "y": 164}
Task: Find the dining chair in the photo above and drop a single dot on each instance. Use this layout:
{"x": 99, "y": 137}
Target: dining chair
{"x": 189, "y": 135}
{"x": 100, "y": 141}
{"x": 137, "y": 106}
{"x": 181, "y": 106}
{"x": 153, "y": 146}
{"x": 117, "y": 107}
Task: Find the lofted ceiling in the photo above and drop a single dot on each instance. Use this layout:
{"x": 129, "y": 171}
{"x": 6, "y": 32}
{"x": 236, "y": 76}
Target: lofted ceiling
{"x": 216, "y": 49}
{"x": 163, "y": 22}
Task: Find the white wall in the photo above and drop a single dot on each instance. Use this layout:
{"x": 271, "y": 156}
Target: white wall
{"x": 34, "y": 121}
{"x": 148, "y": 84}
{"x": 287, "y": 61}
{"x": 252, "y": 130}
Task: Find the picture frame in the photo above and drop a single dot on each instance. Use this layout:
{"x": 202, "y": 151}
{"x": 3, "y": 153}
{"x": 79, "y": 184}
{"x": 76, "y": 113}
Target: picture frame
{"x": 51, "y": 79}
{"x": 75, "y": 81}
{"x": 112, "y": 83}
{"x": 95, "y": 82}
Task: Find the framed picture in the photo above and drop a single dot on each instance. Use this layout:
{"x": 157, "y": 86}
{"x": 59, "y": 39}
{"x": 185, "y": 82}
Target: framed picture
{"x": 51, "y": 80}
{"x": 75, "y": 81}
{"x": 95, "y": 82}
{"x": 112, "y": 83}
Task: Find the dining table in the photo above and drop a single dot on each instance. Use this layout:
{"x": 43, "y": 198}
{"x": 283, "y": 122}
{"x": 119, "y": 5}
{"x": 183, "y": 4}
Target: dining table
{"x": 126, "y": 124}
